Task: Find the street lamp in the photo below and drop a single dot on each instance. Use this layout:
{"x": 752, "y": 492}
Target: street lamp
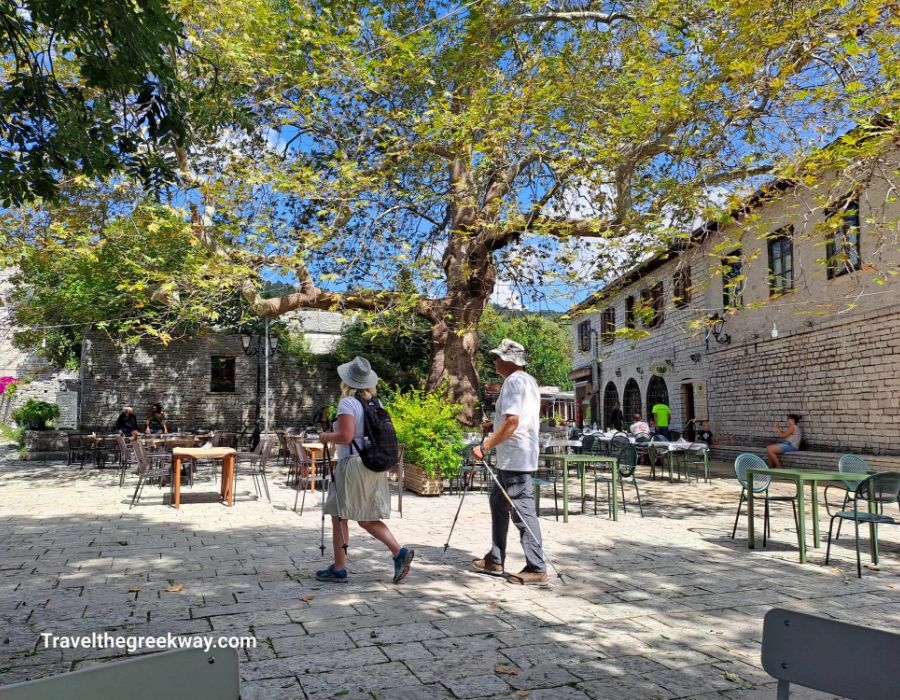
{"x": 716, "y": 329}
{"x": 262, "y": 346}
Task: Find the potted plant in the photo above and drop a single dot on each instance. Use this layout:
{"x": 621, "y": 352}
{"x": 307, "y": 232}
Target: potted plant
{"x": 427, "y": 426}
{"x": 34, "y": 415}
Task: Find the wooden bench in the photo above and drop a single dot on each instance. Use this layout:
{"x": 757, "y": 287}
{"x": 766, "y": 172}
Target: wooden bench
{"x": 805, "y": 459}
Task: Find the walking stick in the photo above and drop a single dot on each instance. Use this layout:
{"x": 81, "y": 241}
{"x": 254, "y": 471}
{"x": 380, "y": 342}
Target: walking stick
{"x": 466, "y": 479}
{"x": 486, "y": 462}
{"x": 337, "y": 500}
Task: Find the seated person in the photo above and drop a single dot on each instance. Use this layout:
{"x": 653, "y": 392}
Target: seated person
{"x": 126, "y": 422}
{"x": 788, "y": 440}
{"x": 156, "y": 422}
{"x": 705, "y": 434}
{"x": 639, "y": 425}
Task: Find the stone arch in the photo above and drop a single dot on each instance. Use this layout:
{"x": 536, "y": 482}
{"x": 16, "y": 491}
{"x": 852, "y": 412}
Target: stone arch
{"x": 657, "y": 392}
{"x": 631, "y": 400}
{"x": 610, "y": 399}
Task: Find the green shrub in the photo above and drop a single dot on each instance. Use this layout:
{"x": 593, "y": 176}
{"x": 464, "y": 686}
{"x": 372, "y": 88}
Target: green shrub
{"x": 426, "y": 424}
{"x": 15, "y": 435}
{"x": 35, "y": 415}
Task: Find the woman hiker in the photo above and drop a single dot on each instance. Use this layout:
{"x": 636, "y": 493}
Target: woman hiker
{"x": 357, "y": 493}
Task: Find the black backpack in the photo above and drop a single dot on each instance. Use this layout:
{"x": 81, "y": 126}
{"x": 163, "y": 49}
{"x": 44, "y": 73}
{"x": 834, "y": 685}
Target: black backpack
{"x": 382, "y": 451}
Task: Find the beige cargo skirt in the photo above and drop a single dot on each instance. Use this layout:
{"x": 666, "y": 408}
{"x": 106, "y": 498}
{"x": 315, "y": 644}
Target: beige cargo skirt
{"x": 358, "y": 493}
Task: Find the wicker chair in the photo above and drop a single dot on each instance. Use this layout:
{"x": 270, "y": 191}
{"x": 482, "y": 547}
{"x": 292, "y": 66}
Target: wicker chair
{"x": 254, "y": 465}
{"x": 147, "y": 470}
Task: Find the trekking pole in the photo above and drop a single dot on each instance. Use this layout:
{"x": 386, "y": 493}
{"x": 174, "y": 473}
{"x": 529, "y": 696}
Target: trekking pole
{"x": 486, "y": 462}
{"x": 337, "y": 499}
{"x": 466, "y": 478}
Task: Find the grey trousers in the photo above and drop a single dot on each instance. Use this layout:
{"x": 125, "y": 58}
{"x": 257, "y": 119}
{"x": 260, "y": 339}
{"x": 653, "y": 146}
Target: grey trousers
{"x": 521, "y": 491}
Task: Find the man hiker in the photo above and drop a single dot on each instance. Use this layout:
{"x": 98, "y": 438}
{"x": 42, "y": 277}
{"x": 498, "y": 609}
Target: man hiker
{"x": 515, "y": 436}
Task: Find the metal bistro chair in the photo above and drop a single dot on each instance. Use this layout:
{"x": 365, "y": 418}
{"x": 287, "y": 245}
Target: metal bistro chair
{"x": 761, "y": 485}
{"x": 78, "y": 448}
{"x": 252, "y": 464}
{"x": 107, "y": 450}
{"x": 853, "y": 464}
{"x": 587, "y": 444}
{"x": 695, "y": 456}
{"x": 878, "y": 490}
{"x": 628, "y": 458}
{"x": 642, "y": 444}
{"x": 469, "y": 468}
{"x": 147, "y": 470}
{"x": 300, "y": 474}
{"x": 126, "y": 457}
{"x": 618, "y": 443}
{"x": 657, "y": 455}
{"x": 849, "y": 661}
{"x": 546, "y": 475}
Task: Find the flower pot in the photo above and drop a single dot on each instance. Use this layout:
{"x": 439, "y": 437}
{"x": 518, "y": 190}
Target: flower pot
{"x": 415, "y": 480}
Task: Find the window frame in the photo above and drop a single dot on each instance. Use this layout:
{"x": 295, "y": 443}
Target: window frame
{"x": 230, "y": 362}
{"x": 630, "y": 321}
{"x": 848, "y": 207}
{"x": 733, "y": 294}
{"x": 653, "y": 297}
{"x": 584, "y": 336}
{"x": 681, "y": 287}
{"x": 777, "y": 240}
{"x": 608, "y": 325}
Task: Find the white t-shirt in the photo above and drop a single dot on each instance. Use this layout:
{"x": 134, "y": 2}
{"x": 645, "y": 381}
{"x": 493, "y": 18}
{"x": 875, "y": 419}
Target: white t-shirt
{"x": 350, "y": 406}
{"x": 519, "y": 396}
{"x": 639, "y": 427}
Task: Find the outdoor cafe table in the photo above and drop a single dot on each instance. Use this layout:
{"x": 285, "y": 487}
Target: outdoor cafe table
{"x": 799, "y": 477}
{"x": 226, "y": 454}
{"x": 581, "y": 461}
{"x": 315, "y": 449}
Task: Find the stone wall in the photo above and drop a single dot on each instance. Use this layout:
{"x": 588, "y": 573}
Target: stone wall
{"x": 178, "y": 376}
{"x": 843, "y": 377}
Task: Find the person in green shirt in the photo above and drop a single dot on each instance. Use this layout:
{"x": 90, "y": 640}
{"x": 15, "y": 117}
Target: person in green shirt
{"x": 662, "y": 412}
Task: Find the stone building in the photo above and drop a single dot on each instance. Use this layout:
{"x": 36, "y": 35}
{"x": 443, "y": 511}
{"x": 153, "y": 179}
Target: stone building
{"x": 792, "y": 307}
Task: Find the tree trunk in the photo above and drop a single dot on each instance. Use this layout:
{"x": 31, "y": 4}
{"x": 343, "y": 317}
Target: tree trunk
{"x": 471, "y": 275}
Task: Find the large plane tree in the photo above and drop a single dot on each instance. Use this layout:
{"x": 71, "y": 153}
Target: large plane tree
{"x": 484, "y": 143}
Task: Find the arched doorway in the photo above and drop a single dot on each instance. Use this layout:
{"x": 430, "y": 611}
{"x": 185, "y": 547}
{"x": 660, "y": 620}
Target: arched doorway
{"x": 631, "y": 400}
{"x": 656, "y": 393}
{"x": 610, "y": 399}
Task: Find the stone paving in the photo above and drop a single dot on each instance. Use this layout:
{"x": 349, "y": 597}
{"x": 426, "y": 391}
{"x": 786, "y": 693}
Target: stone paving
{"x": 665, "y": 606}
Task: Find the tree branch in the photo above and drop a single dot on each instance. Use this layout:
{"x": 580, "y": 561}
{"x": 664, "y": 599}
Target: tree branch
{"x": 310, "y": 296}
{"x": 737, "y": 173}
{"x": 572, "y": 16}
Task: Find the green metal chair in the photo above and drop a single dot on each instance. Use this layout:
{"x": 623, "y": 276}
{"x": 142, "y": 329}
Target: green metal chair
{"x": 657, "y": 455}
{"x": 853, "y": 464}
{"x": 742, "y": 463}
{"x": 628, "y": 458}
{"x": 546, "y": 475}
{"x": 878, "y": 490}
{"x": 695, "y": 456}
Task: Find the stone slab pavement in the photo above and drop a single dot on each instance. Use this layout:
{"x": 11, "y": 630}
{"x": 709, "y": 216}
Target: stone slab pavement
{"x": 664, "y": 606}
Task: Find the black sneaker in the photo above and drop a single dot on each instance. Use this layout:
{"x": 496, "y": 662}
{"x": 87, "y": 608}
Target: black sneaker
{"x": 332, "y": 575}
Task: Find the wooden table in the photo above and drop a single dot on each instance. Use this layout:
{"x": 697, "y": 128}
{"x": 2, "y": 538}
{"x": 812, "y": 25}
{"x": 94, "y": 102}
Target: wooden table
{"x": 799, "y": 477}
{"x": 315, "y": 449}
{"x": 226, "y": 454}
{"x": 582, "y": 461}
